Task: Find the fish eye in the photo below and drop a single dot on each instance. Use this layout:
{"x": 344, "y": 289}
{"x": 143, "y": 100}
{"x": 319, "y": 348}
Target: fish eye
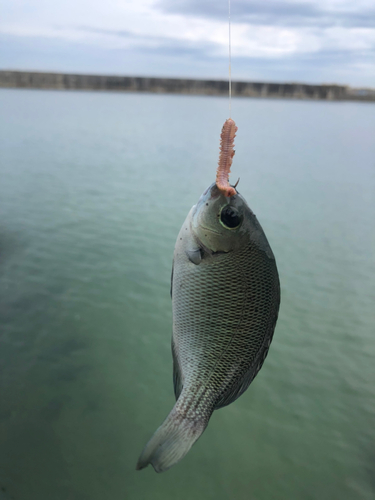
{"x": 230, "y": 217}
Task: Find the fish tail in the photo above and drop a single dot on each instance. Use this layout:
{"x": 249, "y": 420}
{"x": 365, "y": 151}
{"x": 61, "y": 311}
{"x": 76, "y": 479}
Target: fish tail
{"x": 171, "y": 441}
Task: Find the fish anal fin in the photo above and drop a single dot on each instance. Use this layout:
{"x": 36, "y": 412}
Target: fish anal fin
{"x": 236, "y": 390}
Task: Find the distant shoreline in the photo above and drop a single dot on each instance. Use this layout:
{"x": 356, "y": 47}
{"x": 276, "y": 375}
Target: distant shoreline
{"x": 67, "y": 81}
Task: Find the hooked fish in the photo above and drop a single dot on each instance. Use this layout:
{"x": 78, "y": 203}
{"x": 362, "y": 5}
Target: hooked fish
{"x": 225, "y": 300}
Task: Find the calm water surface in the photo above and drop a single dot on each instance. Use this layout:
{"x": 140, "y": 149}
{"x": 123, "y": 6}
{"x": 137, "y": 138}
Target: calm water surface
{"x": 93, "y": 190}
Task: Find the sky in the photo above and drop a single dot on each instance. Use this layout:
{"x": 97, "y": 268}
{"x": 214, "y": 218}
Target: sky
{"x": 320, "y": 41}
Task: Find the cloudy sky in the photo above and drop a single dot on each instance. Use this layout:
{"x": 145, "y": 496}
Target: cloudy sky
{"x": 321, "y": 41}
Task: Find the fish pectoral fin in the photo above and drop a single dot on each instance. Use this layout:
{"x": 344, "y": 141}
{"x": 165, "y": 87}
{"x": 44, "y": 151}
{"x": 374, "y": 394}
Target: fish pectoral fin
{"x": 194, "y": 255}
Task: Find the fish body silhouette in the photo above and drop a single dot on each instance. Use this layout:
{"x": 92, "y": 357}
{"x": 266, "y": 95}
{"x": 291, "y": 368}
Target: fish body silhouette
{"x": 225, "y": 298}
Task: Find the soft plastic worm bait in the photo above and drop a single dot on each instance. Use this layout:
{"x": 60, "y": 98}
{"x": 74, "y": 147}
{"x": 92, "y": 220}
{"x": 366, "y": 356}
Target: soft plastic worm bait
{"x": 228, "y": 134}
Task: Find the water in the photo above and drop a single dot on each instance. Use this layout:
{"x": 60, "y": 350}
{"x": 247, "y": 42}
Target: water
{"x": 93, "y": 190}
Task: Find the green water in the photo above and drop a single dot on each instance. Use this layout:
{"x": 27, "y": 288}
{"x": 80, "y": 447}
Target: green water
{"x": 93, "y": 190}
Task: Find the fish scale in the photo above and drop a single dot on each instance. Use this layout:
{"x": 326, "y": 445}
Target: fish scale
{"x": 225, "y": 301}
{"x": 220, "y": 320}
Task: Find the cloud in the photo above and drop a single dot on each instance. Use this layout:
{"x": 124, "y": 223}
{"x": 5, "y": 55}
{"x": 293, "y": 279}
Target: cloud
{"x": 273, "y": 40}
{"x": 278, "y": 13}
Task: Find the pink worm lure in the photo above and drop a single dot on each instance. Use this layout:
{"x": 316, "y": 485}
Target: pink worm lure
{"x": 228, "y": 134}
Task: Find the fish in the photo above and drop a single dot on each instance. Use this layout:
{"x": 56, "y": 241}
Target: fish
{"x": 225, "y": 300}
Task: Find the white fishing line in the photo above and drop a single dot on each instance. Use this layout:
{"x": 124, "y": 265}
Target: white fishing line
{"x": 230, "y": 63}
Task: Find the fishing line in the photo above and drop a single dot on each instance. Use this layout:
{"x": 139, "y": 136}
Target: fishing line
{"x": 230, "y": 64}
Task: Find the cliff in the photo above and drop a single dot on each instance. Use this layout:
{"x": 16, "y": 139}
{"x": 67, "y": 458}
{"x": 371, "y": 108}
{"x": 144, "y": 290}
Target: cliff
{"x": 38, "y": 80}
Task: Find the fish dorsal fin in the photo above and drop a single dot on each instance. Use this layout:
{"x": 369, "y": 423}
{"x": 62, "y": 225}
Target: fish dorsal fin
{"x": 171, "y": 289}
{"x": 177, "y": 375}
